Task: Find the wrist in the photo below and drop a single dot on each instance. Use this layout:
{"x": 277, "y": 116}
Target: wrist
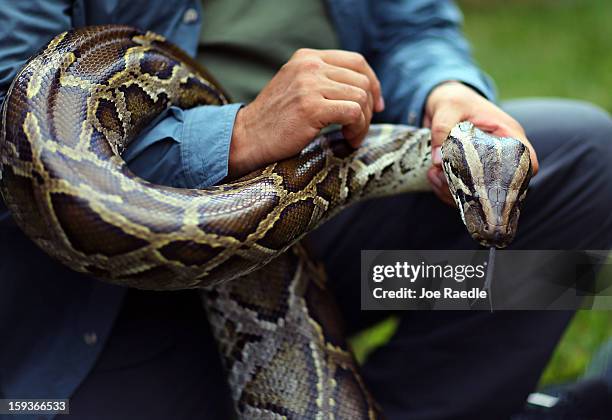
{"x": 240, "y": 153}
{"x": 441, "y": 92}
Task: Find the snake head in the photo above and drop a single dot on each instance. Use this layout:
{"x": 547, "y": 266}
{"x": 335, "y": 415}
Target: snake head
{"x": 488, "y": 178}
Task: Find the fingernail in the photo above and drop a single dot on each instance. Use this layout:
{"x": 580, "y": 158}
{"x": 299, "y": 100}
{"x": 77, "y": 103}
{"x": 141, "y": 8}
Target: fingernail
{"x": 381, "y": 104}
{"x": 436, "y": 156}
{"x": 434, "y": 179}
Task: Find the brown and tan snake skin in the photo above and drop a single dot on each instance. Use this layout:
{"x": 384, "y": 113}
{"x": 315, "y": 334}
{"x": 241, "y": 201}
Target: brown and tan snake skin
{"x": 77, "y": 104}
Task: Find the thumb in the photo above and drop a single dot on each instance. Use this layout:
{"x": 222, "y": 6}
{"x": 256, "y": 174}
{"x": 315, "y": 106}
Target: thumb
{"x": 442, "y": 123}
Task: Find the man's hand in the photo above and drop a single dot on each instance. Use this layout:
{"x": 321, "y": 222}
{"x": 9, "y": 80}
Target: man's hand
{"x": 453, "y": 102}
{"x": 314, "y": 89}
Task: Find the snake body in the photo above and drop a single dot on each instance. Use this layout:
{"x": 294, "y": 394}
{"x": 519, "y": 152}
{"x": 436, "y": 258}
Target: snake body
{"x": 76, "y": 105}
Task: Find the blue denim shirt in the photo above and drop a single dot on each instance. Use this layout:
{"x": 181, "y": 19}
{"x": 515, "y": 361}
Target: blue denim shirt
{"x": 53, "y": 323}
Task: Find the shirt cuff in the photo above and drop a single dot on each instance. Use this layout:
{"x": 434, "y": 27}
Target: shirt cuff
{"x": 206, "y": 137}
{"x": 185, "y": 148}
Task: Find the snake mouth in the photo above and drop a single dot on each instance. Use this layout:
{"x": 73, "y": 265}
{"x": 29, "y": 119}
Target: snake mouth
{"x": 493, "y": 231}
{"x": 491, "y": 235}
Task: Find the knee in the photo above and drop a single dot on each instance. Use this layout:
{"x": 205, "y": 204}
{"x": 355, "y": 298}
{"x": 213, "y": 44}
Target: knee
{"x": 593, "y": 136}
{"x": 593, "y": 161}
{"x": 574, "y": 143}
{"x": 594, "y": 129}
{"x": 585, "y": 134}
{"x": 596, "y": 138}
{"x": 566, "y": 124}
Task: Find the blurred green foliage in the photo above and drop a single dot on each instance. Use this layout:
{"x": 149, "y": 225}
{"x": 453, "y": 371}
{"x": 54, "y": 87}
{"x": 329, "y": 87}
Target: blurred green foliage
{"x": 541, "y": 48}
{"x": 544, "y": 48}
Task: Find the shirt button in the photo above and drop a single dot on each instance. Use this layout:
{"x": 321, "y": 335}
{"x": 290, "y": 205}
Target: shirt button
{"x": 190, "y": 16}
{"x": 90, "y": 338}
{"x": 412, "y": 118}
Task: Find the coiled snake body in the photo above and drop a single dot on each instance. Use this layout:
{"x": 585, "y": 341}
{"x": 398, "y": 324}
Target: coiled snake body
{"x": 77, "y": 104}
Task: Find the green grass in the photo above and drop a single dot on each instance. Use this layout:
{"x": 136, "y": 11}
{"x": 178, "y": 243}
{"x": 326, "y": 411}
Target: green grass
{"x": 544, "y": 48}
{"x": 541, "y": 48}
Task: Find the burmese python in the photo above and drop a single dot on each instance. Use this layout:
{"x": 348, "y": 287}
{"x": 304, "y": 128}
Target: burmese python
{"x": 76, "y": 106}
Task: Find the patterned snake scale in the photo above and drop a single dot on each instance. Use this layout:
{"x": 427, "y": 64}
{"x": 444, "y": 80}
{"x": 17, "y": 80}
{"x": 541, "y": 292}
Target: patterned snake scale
{"x": 76, "y": 106}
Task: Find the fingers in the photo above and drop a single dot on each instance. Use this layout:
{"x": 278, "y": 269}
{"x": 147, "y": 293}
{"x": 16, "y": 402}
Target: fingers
{"x": 356, "y": 62}
{"x": 348, "y": 76}
{"x": 442, "y": 123}
{"x": 439, "y": 185}
{"x": 347, "y": 113}
{"x": 353, "y": 78}
{"x": 340, "y": 91}
{"x": 346, "y": 81}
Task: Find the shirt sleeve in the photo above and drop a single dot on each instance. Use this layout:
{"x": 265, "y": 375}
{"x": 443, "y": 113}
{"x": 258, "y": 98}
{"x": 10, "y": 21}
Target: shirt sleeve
{"x": 418, "y": 45}
{"x": 26, "y": 27}
{"x": 185, "y": 148}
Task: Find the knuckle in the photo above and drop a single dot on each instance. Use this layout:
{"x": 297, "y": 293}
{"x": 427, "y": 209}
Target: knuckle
{"x": 286, "y": 67}
{"x": 440, "y": 131}
{"x": 304, "y": 104}
{"x": 353, "y": 112}
{"x": 307, "y": 82}
{"x": 301, "y": 52}
{"x": 310, "y": 64}
{"x": 301, "y": 83}
{"x": 510, "y": 125}
{"x": 365, "y": 82}
{"x": 377, "y": 87}
{"x": 358, "y": 58}
{"x": 454, "y": 101}
{"x": 361, "y": 96}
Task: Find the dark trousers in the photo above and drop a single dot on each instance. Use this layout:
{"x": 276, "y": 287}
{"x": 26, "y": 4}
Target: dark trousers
{"x": 161, "y": 363}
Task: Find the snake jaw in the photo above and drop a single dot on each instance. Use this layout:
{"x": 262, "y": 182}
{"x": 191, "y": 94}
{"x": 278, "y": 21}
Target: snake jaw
{"x": 490, "y": 235}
